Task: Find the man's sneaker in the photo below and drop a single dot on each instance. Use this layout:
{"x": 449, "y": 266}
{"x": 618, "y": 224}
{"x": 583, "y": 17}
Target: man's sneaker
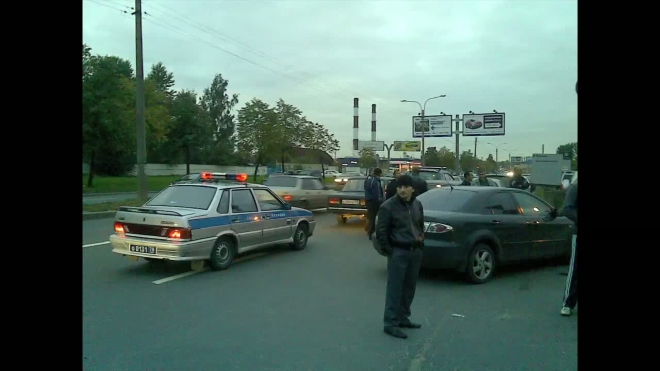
{"x": 566, "y": 311}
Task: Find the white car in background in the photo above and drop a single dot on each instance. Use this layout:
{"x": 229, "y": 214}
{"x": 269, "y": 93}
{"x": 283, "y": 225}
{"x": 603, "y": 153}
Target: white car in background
{"x": 332, "y": 173}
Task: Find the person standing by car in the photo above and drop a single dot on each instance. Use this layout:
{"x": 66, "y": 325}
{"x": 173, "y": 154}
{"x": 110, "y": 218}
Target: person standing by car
{"x": 482, "y": 181}
{"x": 400, "y": 233}
{"x": 390, "y": 189}
{"x": 419, "y": 183}
{"x": 518, "y": 180}
{"x": 373, "y": 196}
{"x": 468, "y": 177}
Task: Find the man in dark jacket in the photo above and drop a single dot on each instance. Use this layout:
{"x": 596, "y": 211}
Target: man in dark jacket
{"x": 373, "y": 196}
{"x": 390, "y": 189}
{"x": 400, "y": 233}
{"x": 571, "y": 212}
{"x": 518, "y": 180}
{"x": 419, "y": 183}
{"x": 467, "y": 178}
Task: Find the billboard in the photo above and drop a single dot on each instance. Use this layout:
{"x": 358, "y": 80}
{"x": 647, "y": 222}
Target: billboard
{"x": 433, "y": 126}
{"x": 485, "y": 124}
{"x": 547, "y": 169}
{"x": 377, "y": 145}
{"x": 410, "y": 146}
{"x": 516, "y": 159}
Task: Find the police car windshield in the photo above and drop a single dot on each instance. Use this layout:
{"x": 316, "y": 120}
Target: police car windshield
{"x": 187, "y": 197}
{"x": 281, "y": 181}
{"x": 354, "y": 185}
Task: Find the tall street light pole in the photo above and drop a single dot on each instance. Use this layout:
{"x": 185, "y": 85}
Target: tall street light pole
{"x": 497, "y": 149}
{"x": 423, "y": 108}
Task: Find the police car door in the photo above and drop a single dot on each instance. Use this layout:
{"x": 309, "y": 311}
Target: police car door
{"x": 245, "y": 218}
{"x": 277, "y": 222}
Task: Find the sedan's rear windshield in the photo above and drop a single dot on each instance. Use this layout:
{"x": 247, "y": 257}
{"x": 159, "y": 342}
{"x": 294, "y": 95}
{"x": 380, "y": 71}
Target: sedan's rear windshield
{"x": 281, "y": 181}
{"x": 188, "y": 197}
{"x": 354, "y": 185}
{"x": 444, "y": 199}
{"x": 430, "y": 175}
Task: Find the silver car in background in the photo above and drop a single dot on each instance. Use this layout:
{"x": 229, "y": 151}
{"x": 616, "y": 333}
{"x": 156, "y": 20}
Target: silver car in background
{"x": 303, "y": 191}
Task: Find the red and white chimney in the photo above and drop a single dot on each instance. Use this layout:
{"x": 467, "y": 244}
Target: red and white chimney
{"x": 373, "y": 122}
{"x": 356, "y": 127}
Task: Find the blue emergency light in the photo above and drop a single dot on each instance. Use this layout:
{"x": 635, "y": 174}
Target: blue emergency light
{"x": 239, "y": 177}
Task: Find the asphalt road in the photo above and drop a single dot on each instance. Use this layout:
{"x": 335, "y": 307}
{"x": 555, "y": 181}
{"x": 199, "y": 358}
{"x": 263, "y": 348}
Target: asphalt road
{"x": 112, "y": 197}
{"x": 317, "y": 309}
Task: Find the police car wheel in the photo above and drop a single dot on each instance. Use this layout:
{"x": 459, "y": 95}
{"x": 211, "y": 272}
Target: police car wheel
{"x": 222, "y": 255}
{"x": 300, "y": 237}
{"x": 481, "y": 264}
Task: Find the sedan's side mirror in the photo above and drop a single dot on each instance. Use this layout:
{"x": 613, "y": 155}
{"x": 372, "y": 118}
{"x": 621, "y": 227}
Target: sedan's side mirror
{"x": 286, "y": 206}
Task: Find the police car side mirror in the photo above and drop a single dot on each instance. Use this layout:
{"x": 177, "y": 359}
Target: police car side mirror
{"x": 565, "y": 183}
{"x": 286, "y": 206}
{"x": 325, "y": 188}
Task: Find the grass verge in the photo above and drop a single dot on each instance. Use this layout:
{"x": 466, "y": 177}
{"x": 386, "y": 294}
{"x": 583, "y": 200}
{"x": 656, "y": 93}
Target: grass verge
{"x": 155, "y": 183}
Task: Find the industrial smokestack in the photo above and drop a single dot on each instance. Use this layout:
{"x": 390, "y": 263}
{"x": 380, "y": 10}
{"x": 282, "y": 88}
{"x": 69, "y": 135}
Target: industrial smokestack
{"x": 373, "y": 122}
{"x": 356, "y": 127}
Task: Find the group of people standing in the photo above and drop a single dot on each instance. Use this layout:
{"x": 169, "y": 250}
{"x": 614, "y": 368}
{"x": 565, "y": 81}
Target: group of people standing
{"x": 517, "y": 180}
{"x": 395, "y": 218}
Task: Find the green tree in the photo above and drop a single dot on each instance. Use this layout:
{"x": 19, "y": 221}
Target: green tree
{"x": 257, "y": 133}
{"x": 218, "y": 105}
{"x": 446, "y": 158}
{"x": 318, "y": 138}
{"x": 468, "y": 161}
{"x": 431, "y": 157}
{"x": 572, "y": 150}
{"x": 367, "y": 158}
{"x": 489, "y": 165}
{"x": 108, "y": 115}
{"x": 159, "y": 98}
{"x": 191, "y": 129}
{"x": 294, "y": 130}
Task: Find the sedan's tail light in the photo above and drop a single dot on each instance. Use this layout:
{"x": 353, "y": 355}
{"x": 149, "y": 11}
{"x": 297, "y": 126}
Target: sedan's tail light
{"x": 119, "y": 227}
{"x": 437, "y": 227}
{"x": 333, "y": 201}
{"x": 287, "y": 198}
{"x": 179, "y": 233}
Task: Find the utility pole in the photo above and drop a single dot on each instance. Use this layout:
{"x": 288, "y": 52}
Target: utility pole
{"x": 475, "y": 147}
{"x": 139, "y": 105}
{"x": 458, "y": 120}
{"x": 542, "y": 148}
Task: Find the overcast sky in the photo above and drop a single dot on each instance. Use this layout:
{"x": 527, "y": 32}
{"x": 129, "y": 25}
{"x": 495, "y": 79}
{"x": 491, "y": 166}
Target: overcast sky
{"x": 517, "y": 57}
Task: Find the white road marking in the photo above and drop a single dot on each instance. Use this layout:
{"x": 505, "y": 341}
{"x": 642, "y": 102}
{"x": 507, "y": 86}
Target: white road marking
{"x": 176, "y": 277}
{"x": 190, "y": 273}
{"x": 96, "y": 244}
{"x": 420, "y": 357}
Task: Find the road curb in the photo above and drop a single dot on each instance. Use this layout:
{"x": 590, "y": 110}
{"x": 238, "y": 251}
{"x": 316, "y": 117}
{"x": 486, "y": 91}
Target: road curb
{"x": 111, "y": 214}
{"x": 99, "y": 215}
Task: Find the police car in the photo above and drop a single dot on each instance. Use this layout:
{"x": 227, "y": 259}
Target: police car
{"x": 212, "y": 220}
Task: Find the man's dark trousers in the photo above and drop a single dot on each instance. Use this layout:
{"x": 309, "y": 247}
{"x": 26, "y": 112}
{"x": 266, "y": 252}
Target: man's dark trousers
{"x": 403, "y": 266}
{"x": 570, "y": 294}
{"x": 372, "y": 210}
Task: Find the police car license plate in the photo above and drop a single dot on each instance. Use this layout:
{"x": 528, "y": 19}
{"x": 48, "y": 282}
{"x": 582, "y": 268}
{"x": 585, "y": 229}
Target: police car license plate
{"x": 142, "y": 249}
{"x": 350, "y": 202}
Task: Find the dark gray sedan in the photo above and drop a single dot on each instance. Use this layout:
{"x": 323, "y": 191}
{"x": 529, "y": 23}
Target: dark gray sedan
{"x": 475, "y": 229}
